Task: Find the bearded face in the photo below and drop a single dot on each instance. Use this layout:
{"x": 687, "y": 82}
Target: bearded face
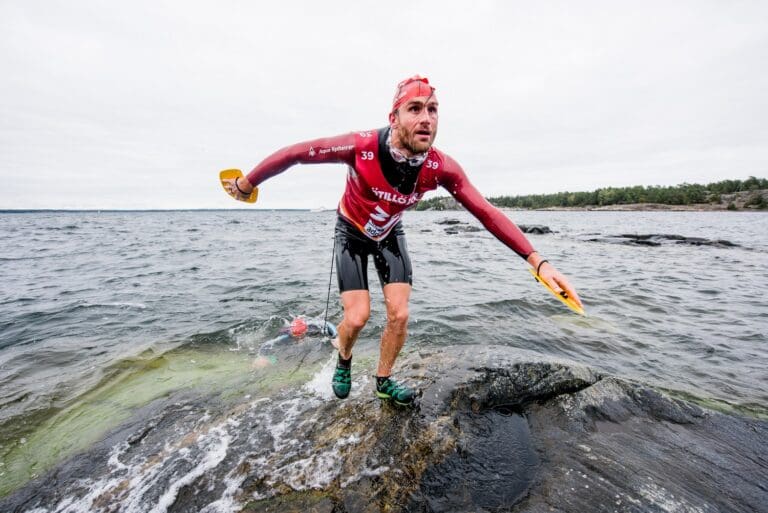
{"x": 414, "y": 125}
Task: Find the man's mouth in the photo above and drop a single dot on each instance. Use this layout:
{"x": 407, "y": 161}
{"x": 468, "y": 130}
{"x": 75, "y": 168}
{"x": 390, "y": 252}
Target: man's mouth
{"x": 423, "y": 133}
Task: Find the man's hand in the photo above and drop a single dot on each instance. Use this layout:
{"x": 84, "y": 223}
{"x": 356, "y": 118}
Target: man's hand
{"x": 243, "y": 192}
{"x": 554, "y": 278}
{"x": 261, "y": 362}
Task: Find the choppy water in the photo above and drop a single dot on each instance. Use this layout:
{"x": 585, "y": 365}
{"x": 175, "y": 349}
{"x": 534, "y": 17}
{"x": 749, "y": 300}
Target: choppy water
{"x": 103, "y": 313}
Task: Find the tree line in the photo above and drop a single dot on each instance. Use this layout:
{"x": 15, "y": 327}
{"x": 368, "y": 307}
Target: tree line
{"x": 683, "y": 194}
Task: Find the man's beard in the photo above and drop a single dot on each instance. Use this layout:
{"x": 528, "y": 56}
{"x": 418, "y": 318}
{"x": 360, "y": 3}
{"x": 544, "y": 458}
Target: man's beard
{"x": 416, "y": 147}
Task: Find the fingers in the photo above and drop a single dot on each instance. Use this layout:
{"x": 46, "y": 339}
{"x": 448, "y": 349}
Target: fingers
{"x": 560, "y": 284}
{"x": 231, "y": 188}
{"x": 567, "y": 290}
{"x": 552, "y": 278}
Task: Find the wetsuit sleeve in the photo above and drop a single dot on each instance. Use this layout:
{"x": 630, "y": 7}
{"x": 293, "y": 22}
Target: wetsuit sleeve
{"x": 340, "y": 149}
{"x": 269, "y": 345}
{"x": 455, "y": 181}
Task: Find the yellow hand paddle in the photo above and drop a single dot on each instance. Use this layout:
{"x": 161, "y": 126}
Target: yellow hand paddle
{"x": 234, "y": 174}
{"x": 567, "y": 301}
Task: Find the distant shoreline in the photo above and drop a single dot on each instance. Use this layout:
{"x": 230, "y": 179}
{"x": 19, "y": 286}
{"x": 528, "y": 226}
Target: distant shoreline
{"x": 134, "y": 210}
{"x": 742, "y": 201}
{"x": 634, "y": 207}
{"x": 642, "y": 207}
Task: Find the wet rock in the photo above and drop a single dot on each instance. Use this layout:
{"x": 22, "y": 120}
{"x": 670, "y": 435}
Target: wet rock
{"x": 307, "y": 502}
{"x": 462, "y": 228}
{"x": 455, "y": 226}
{"x": 495, "y": 429}
{"x": 487, "y": 441}
{"x": 538, "y": 229}
{"x": 659, "y": 239}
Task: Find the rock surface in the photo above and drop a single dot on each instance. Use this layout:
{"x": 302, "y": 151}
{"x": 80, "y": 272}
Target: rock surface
{"x": 455, "y": 226}
{"x": 538, "y": 229}
{"x": 495, "y": 429}
{"x": 657, "y": 239}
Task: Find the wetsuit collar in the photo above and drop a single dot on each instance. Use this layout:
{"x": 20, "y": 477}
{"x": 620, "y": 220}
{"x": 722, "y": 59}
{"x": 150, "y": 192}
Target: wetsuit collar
{"x": 398, "y": 156}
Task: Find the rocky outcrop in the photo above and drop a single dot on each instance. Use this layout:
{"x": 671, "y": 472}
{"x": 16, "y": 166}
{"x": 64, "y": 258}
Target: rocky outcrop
{"x": 462, "y": 228}
{"x": 455, "y": 226}
{"x": 657, "y": 239}
{"x": 538, "y": 229}
{"x": 495, "y": 429}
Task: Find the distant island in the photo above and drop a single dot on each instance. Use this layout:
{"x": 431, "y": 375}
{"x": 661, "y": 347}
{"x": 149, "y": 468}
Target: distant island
{"x": 749, "y": 194}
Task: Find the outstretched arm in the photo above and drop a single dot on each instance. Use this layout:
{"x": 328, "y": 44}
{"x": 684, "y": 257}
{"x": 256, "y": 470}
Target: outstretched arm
{"x": 455, "y": 181}
{"x": 340, "y": 148}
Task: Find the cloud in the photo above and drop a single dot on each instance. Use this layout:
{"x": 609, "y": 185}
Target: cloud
{"x": 139, "y": 105}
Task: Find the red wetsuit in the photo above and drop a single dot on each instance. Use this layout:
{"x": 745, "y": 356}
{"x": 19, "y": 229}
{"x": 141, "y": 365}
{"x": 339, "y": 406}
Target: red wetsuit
{"x": 371, "y": 204}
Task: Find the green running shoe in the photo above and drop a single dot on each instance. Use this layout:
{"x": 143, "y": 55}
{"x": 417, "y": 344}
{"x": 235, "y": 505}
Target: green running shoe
{"x": 342, "y": 380}
{"x": 388, "y": 388}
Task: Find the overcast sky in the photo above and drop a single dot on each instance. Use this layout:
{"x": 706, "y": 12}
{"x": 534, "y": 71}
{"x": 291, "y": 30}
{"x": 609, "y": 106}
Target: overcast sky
{"x": 139, "y": 104}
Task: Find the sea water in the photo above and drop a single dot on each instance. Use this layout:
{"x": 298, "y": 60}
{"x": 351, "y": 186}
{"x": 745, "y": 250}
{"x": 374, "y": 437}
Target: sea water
{"x": 103, "y": 315}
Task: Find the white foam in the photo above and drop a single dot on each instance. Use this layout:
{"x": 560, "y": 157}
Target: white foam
{"x": 85, "y": 504}
{"x": 661, "y": 497}
{"x": 114, "y": 458}
{"x": 131, "y": 486}
{"x": 320, "y": 384}
{"x": 292, "y": 461}
{"x": 366, "y": 472}
{"x": 120, "y": 304}
{"x": 214, "y": 455}
{"x": 226, "y": 503}
{"x": 290, "y": 410}
{"x": 317, "y": 470}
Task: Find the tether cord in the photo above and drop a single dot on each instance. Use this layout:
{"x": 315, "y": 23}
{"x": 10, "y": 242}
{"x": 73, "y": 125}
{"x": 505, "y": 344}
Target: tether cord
{"x": 330, "y": 278}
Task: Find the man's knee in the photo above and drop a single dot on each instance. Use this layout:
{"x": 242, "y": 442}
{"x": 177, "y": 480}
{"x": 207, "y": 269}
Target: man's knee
{"x": 397, "y": 317}
{"x": 357, "y": 308}
{"x": 356, "y": 318}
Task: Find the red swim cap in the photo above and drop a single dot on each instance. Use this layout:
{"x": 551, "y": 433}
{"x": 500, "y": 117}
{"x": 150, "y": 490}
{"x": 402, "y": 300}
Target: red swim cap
{"x": 411, "y": 88}
{"x": 298, "y": 327}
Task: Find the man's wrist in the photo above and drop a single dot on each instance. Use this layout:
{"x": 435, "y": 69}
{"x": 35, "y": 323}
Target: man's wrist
{"x": 239, "y": 189}
{"x": 534, "y": 259}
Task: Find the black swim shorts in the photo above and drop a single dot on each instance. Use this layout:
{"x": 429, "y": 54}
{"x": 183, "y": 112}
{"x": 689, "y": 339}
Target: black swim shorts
{"x": 390, "y": 256}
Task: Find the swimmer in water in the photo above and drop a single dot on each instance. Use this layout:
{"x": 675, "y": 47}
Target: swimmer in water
{"x": 295, "y": 332}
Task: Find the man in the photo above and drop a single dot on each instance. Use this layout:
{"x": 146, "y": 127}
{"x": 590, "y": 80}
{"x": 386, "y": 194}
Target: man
{"x": 390, "y": 169}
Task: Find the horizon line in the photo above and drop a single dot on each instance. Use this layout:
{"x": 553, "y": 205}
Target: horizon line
{"x": 33, "y": 210}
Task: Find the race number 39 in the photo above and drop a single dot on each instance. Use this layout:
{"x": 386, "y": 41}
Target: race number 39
{"x": 431, "y": 164}
{"x": 366, "y": 155}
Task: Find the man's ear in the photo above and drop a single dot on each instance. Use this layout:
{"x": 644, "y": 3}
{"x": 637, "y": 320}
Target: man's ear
{"x": 393, "y": 119}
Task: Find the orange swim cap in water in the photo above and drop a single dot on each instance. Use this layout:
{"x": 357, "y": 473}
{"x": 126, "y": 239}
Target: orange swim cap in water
{"x": 411, "y": 88}
{"x": 298, "y": 327}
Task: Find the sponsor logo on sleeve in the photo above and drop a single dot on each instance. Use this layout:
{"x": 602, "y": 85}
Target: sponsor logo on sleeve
{"x": 335, "y": 149}
{"x": 332, "y": 149}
